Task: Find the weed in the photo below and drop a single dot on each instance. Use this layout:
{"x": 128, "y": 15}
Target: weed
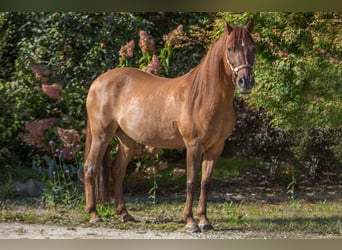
{"x": 152, "y": 194}
{"x": 62, "y": 185}
{"x": 291, "y": 187}
{"x": 235, "y": 216}
{"x": 106, "y": 211}
{"x": 7, "y": 189}
{"x": 21, "y": 230}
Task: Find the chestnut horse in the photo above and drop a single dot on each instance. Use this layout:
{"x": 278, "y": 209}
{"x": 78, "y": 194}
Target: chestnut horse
{"x": 194, "y": 111}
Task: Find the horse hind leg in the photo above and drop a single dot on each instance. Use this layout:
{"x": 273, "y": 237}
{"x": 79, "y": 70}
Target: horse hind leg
{"x": 92, "y": 169}
{"x": 124, "y": 155}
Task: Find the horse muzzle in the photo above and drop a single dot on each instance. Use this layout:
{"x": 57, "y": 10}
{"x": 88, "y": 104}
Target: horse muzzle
{"x": 245, "y": 84}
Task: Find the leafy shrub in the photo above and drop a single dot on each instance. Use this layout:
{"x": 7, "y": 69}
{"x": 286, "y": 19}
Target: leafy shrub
{"x": 312, "y": 150}
{"x": 256, "y": 137}
{"x": 49, "y": 61}
{"x": 318, "y": 150}
{"x": 292, "y": 94}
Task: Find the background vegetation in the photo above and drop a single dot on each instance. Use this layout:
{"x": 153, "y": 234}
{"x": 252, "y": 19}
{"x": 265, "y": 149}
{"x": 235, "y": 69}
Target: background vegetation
{"x": 48, "y": 60}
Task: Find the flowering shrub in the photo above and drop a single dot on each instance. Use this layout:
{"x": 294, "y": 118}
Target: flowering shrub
{"x": 42, "y": 72}
{"x": 126, "y": 51}
{"x": 154, "y": 66}
{"x": 176, "y": 37}
{"x": 35, "y": 135}
{"x": 146, "y": 42}
{"x": 48, "y": 61}
{"x": 53, "y": 91}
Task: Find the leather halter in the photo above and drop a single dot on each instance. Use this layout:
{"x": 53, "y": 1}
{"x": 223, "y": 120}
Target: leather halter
{"x": 238, "y": 68}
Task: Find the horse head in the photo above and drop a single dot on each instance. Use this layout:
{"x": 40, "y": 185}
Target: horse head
{"x": 239, "y": 54}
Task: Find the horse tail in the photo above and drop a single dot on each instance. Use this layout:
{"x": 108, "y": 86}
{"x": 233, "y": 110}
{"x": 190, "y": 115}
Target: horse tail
{"x": 104, "y": 187}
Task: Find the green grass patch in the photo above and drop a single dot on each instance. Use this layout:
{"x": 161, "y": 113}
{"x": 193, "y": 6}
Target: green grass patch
{"x": 322, "y": 217}
{"x": 288, "y": 216}
{"x": 227, "y": 167}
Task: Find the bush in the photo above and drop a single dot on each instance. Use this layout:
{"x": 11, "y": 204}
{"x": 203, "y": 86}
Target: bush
{"x": 256, "y": 137}
{"x": 49, "y": 61}
{"x": 292, "y": 94}
{"x": 318, "y": 150}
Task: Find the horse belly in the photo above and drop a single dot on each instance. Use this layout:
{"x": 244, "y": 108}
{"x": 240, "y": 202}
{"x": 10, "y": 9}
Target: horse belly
{"x": 153, "y": 134}
{"x": 148, "y": 126}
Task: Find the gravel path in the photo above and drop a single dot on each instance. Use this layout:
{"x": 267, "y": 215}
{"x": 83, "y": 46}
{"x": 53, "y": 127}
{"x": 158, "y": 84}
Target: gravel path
{"x": 33, "y": 231}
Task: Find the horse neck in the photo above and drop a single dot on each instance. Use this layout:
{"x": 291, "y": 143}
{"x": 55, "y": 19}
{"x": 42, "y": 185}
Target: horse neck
{"x": 211, "y": 82}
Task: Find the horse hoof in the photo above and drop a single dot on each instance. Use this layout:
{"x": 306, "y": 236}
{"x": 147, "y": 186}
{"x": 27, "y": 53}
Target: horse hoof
{"x": 128, "y": 218}
{"x": 192, "y": 229}
{"x": 96, "y": 220}
{"x": 205, "y": 227}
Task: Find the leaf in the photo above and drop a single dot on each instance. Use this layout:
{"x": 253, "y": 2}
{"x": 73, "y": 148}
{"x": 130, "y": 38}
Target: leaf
{"x": 51, "y": 165}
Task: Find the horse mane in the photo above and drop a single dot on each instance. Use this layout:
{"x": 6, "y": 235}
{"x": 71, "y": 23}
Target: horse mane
{"x": 207, "y": 77}
{"x": 210, "y": 74}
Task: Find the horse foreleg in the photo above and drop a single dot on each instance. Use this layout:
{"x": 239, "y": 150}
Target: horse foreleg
{"x": 208, "y": 163}
{"x": 124, "y": 155}
{"x": 193, "y": 160}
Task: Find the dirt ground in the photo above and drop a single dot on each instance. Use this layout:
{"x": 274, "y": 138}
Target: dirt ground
{"x": 26, "y": 231}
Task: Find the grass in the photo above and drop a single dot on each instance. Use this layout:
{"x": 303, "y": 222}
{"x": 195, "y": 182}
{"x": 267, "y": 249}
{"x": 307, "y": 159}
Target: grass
{"x": 227, "y": 167}
{"x": 293, "y": 216}
{"x": 289, "y": 216}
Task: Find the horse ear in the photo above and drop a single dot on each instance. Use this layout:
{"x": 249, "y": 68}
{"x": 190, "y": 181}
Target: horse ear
{"x": 227, "y": 27}
{"x": 250, "y": 25}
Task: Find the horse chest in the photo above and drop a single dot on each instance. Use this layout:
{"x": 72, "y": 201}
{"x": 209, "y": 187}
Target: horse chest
{"x": 219, "y": 127}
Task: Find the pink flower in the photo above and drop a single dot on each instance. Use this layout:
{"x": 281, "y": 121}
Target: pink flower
{"x": 162, "y": 165}
{"x": 54, "y": 91}
{"x": 67, "y": 154}
{"x": 154, "y": 66}
{"x": 178, "y": 172}
{"x": 175, "y": 37}
{"x": 146, "y": 42}
{"x": 42, "y": 72}
{"x": 35, "y": 134}
{"x": 150, "y": 171}
{"x": 69, "y": 137}
{"x": 127, "y": 50}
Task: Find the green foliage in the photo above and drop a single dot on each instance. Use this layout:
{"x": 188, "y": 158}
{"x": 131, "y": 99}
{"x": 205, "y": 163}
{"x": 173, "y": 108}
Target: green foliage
{"x": 299, "y": 70}
{"x": 298, "y": 97}
{"x": 298, "y": 67}
{"x": 298, "y": 77}
{"x": 78, "y": 47}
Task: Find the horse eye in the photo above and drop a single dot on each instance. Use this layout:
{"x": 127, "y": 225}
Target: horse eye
{"x": 229, "y": 49}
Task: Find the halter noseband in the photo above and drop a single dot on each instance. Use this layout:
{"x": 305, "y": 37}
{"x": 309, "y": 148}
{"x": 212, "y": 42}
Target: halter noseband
{"x": 238, "y": 68}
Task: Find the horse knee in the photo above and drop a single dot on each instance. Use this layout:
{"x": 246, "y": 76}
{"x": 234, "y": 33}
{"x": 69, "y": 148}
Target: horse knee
{"x": 191, "y": 186}
{"x": 205, "y": 184}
